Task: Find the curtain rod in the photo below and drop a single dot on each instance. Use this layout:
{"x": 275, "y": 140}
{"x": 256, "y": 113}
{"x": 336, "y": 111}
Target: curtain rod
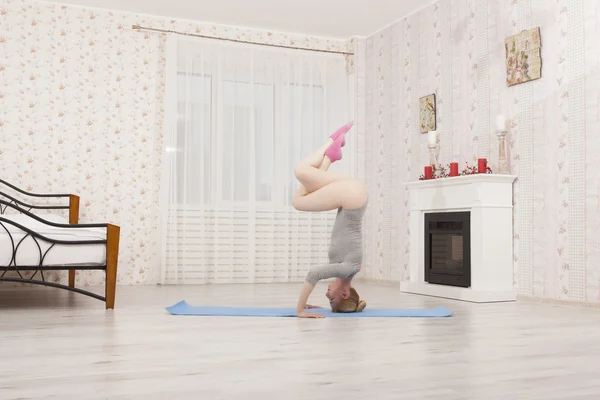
{"x": 144, "y": 28}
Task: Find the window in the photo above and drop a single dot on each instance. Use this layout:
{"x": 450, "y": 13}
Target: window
{"x": 239, "y": 141}
{"x": 194, "y": 142}
{"x": 248, "y": 125}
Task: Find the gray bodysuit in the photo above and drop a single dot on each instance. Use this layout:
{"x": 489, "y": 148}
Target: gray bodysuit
{"x": 345, "y": 250}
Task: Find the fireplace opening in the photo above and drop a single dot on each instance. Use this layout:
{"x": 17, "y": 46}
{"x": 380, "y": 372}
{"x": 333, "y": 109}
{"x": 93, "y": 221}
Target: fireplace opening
{"x": 448, "y": 248}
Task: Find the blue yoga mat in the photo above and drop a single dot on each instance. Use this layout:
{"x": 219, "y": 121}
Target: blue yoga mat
{"x": 183, "y": 308}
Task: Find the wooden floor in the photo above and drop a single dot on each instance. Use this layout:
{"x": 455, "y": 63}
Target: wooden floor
{"x": 58, "y": 345}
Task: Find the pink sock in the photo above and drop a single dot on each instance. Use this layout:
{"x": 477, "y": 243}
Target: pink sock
{"x": 342, "y": 131}
{"x": 334, "y": 151}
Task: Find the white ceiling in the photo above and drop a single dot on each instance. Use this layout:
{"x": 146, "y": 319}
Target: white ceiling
{"x": 329, "y": 18}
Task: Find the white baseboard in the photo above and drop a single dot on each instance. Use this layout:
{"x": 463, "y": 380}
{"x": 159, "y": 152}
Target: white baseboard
{"x": 459, "y": 293}
{"x": 557, "y": 302}
{"x": 381, "y": 282}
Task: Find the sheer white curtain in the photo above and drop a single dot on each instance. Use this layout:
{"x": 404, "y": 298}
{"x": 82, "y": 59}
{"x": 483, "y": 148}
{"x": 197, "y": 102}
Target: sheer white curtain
{"x": 237, "y": 119}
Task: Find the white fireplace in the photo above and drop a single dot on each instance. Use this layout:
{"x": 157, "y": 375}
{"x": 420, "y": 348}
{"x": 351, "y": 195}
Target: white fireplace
{"x": 487, "y": 198}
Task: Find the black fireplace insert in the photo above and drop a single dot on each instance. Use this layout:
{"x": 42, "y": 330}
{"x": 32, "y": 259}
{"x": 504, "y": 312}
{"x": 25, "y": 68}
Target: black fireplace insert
{"x": 448, "y": 248}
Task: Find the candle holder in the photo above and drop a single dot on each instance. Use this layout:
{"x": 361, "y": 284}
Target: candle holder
{"x": 502, "y": 161}
{"x": 434, "y": 152}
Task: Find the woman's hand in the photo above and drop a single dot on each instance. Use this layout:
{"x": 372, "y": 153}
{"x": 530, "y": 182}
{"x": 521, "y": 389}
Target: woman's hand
{"x": 309, "y": 306}
{"x": 305, "y": 314}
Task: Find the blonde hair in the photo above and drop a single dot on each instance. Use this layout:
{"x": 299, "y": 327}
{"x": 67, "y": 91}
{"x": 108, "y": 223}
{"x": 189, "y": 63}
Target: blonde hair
{"x": 352, "y": 304}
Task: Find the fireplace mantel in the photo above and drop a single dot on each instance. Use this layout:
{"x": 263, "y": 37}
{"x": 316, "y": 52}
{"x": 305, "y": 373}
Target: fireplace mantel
{"x": 488, "y": 197}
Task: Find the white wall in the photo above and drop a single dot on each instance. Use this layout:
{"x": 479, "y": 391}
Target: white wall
{"x": 81, "y": 98}
{"x": 455, "y": 49}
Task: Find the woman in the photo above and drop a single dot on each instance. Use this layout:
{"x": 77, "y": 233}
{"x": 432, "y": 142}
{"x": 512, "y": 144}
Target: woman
{"x": 321, "y": 190}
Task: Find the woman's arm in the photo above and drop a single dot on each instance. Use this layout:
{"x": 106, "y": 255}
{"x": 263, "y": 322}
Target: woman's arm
{"x": 342, "y": 270}
{"x": 304, "y": 294}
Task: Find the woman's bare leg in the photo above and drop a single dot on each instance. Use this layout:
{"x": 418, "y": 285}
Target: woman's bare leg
{"x": 312, "y": 172}
{"x": 330, "y": 190}
{"x": 321, "y": 190}
{"x": 307, "y": 175}
{"x": 315, "y": 159}
{"x": 347, "y": 194}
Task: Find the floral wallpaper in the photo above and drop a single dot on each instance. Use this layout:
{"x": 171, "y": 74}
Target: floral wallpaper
{"x": 81, "y": 98}
{"x": 456, "y": 49}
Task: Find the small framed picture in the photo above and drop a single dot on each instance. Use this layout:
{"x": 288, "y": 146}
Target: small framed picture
{"x": 523, "y": 57}
{"x": 427, "y": 113}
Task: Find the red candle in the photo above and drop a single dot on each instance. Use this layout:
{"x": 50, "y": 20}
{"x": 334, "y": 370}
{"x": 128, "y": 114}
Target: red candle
{"x": 428, "y": 172}
{"x": 454, "y": 169}
{"x": 482, "y": 165}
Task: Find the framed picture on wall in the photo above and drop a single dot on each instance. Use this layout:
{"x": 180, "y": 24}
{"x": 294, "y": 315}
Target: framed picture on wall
{"x": 427, "y": 113}
{"x": 523, "y": 57}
